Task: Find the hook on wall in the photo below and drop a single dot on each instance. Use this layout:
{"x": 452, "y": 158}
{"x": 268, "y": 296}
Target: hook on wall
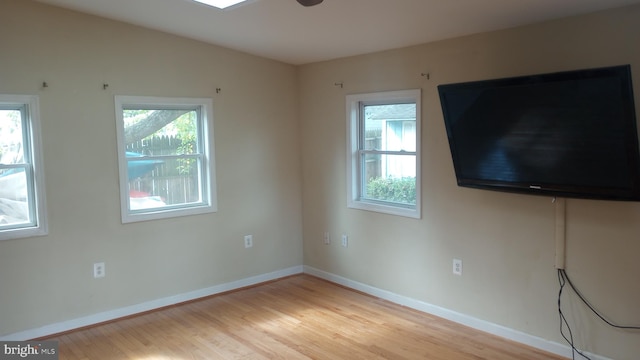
{"x": 105, "y": 86}
{"x": 339, "y": 84}
{"x": 427, "y": 75}
{"x": 45, "y": 85}
{"x": 218, "y": 90}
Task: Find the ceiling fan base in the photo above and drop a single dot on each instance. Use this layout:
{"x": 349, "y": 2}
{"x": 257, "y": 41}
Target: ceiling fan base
{"x": 309, "y": 2}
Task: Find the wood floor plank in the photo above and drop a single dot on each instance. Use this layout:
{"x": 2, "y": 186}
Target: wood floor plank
{"x": 299, "y": 317}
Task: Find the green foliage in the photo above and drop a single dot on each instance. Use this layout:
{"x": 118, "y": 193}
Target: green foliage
{"x": 182, "y": 132}
{"x": 186, "y": 126}
{"x": 399, "y": 190}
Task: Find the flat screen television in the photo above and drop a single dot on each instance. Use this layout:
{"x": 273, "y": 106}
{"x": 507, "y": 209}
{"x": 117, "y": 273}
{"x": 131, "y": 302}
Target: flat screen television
{"x": 566, "y": 134}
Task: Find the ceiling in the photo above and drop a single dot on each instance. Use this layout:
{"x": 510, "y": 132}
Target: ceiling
{"x": 285, "y": 31}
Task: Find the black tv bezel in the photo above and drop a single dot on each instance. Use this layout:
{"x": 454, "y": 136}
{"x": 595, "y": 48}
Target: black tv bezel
{"x": 622, "y": 72}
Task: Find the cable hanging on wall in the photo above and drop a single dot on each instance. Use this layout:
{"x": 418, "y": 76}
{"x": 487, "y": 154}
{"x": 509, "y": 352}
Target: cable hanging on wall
{"x": 563, "y": 279}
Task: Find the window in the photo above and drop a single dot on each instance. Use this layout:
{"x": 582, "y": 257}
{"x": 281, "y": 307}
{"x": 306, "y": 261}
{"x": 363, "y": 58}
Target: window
{"x": 22, "y": 200}
{"x": 165, "y": 155}
{"x": 383, "y": 172}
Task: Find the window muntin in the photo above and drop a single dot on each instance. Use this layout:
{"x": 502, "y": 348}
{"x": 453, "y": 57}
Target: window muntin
{"x": 22, "y": 201}
{"x": 166, "y": 167}
{"x": 384, "y": 144}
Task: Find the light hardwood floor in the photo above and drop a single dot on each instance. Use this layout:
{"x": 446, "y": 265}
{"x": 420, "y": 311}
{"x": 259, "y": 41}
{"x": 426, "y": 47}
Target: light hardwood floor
{"x": 299, "y": 317}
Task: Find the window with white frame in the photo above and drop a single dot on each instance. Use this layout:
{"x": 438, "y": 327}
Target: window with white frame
{"x": 383, "y": 160}
{"x": 165, "y": 156}
{"x": 22, "y": 197}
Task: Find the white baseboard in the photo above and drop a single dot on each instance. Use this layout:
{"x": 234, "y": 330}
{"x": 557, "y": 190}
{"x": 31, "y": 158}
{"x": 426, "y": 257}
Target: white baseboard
{"x": 482, "y": 325}
{"x": 146, "y": 306}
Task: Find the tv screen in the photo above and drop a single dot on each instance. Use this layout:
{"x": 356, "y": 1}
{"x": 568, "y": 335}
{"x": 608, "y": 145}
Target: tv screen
{"x": 567, "y": 134}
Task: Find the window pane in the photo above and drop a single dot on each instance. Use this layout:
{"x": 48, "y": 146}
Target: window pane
{"x": 167, "y": 183}
{"x": 158, "y": 179}
{"x": 161, "y": 131}
{"x": 14, "y": 200}
{"x": 390, "y": 178}
{"x": 390, "y": 127}
{"x": 11, "y": 137}
{"x": 14, "y": 206}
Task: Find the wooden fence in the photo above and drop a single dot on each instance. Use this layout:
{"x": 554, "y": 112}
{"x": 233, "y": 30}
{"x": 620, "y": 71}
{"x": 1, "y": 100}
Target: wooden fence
{"x": 373, "y": 140}
{"x": 174, "y": 180}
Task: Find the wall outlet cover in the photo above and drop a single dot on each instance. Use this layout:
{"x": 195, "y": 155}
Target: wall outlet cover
{"x": 99, "y": 270}
{"x": 457, "y": 267}
{"x": 248, "y": 241}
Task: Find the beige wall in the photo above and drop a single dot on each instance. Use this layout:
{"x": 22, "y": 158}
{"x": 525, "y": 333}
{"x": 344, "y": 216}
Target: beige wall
{"x": 506, "y": 241}
{"x": 49, "y": 279}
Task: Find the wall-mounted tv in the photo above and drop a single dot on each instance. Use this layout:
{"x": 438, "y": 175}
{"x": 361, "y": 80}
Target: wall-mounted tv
{"x": 566, "y": 134}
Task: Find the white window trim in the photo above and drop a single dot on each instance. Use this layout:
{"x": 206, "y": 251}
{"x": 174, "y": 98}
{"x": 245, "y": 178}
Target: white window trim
{"x": 35, "y": 142}
{"x": 353, "y": 167}
{"x": 209, "y": 202}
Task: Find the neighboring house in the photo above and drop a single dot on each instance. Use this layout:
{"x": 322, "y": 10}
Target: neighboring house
{"x": 391, "y": 127}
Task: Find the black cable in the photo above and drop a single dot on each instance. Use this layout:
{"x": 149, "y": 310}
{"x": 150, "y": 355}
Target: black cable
{"x": 563, "y": 279}
{"x": 564, "y": 274}
{"x": 564, "y": 322}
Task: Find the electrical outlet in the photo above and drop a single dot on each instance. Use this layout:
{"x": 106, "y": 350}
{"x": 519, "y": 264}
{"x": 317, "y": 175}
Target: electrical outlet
{"x": 327, "y": 238}
{"x": 248, "y": 241}
{"x": 345, "y": 240}
{"x": 99, "y": 270}
{"x": 457, "y": 267}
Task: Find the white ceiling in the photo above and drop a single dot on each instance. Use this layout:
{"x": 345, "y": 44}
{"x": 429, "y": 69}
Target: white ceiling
{"x": 286, "y": 31}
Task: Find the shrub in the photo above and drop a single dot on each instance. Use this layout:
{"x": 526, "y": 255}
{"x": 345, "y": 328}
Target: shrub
{"x": 400, "y": 190}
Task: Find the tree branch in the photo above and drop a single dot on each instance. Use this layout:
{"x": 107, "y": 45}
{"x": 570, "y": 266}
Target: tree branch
{"x": 152, "y": 123}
